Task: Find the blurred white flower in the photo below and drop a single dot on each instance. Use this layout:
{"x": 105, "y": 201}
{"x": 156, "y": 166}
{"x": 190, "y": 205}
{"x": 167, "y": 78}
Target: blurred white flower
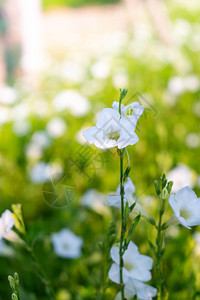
{"x": 186, "y": 207}
{"x": 73, "y": 72}
{"x": 42, "y": 172}
{"x": 33, "y": 151}
{"x": 41, "y": 138}
{"x": 20, "y": 111}
{"x": 179, "y": 85}
{"x": 56, "y": 127}
{"x": 21, "y": 128}
{"x": 67, "y": 244}
{"x": 196, "y": 108}
{"x": 111, "y": 130}
{"x": 181, "y": 176}
{"x": 7, "y": 221}
{"x": 73, "y": 101}
{"x": 5, "y": 250}
{"x": 94, "y": 200}
{"x": 8, "y": 95}
{"x": 120, "y": 79}
{"x": 129, "y": 190}
{"x": 100, "y": 70}
{"x": 5, "y": 115}
{"x": 192, "y": 140}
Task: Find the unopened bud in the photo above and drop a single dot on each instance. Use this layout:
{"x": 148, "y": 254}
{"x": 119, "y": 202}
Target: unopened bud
{"x": 11, "y": 282}
{"x": 164, "y": 194}
{"x": 16, "y": 277}
{"x": 14, "y": 297}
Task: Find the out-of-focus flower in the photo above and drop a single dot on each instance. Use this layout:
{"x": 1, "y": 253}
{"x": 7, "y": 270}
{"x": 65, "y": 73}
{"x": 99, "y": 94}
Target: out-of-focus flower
{"x": 73, "y": 101}
{"x": 136, "y": 271}
{"x": 129, "y": 190}
{"x": 21, "y": 111}
{"x": 42, "y": 172}
{"x": 8, "y": 95}
{"x": 7, "y": 221}
{"x": 100, "y": 70}
{"x": 94, "y": 200}
{"x": 186, "y": 207}
{"x": 67, "y": 244}
{"x": 111, "y": 130}
{"x": 181, "y": 176}
{"x": 73, "y": 72}
{"x": 5, "y": 250}
{"x": 21, "y": 128}
{"x": 56, "y": 127}
{"x": 120, "y": 79}
{"x": 41, "y": 139}
{"x": 179, "y": 85}
{"x": 33, "y": 151}
{"x": 192, "y": 140}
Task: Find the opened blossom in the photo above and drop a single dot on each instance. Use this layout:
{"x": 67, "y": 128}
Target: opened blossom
{"x": 7, "y": 221}
{"x": 136, "y": 271}
{"x": 186, "y": 207}
{"x": 129, "y": 190}
{"x": 67, "y": 244}
{"x": 113, "y": 130}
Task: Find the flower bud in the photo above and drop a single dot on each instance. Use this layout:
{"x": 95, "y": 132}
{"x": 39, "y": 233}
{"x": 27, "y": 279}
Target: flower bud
{"x": 14, "y": 297}
{"x": 164, "y": 194}
{"x": 16, "y": 277}
{"x": 11, "y": 282}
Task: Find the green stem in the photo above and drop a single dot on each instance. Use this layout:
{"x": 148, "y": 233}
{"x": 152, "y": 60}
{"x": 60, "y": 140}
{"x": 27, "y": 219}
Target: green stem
{"x": 159, "y": 241}
{"x": 122, "y": 224}
{"x": 41, "y": 273}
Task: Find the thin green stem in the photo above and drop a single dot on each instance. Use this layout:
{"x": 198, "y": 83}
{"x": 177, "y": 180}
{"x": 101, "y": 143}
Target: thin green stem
{"x": 41, "y": 273}
{"x": 122, "y": 224}
{"x": 159, "y": 254}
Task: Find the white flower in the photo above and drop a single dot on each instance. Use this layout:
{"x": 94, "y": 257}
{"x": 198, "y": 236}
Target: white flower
{"x": 181, "y": 176}
{"x": 67, "y": 244}
{"x": 94, "y": 200}
{"x": 21, "y": 127}
{"x": 136, "y": 266}
{"x": 43, "y": 172}
{"x": 111, "y": 130}
{"x": 139, "y": 288}
{"x": 73, "y": 101}
{"x": 8, "y": 95}
{"x": 7, "y": 221}
{"x": 100, "y": 69}
{"x": 56, "y": 127}
{"x": 40, "y": 138}
{"x": 129, "y": 190}
{"x": 186, "y": 207}
{"x": 5, "y": 250}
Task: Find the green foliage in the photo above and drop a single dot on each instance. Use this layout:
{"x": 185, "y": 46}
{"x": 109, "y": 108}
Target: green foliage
{"x": 74, "y": 3}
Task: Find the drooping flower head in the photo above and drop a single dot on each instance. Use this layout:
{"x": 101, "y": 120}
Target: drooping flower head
{"x": 113, "y": 129}
{"x": 186, "y": 207}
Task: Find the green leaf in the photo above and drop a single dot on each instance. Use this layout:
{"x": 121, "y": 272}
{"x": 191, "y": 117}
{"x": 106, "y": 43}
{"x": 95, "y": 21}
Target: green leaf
{"x": 157, "y": 187}
{"x": 126, "y": 173}
{"x": 132, "y": 229}
{"x": 123, "y": 94}
{"x": 164, "y": 181}
{"x": 126, "y": 212}
{"x": 152, "y": 247}
{"x": 169, "y": 186}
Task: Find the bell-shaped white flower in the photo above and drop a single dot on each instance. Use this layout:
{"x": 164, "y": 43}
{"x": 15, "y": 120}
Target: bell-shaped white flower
{"x": 136, "y": 265}
{"x": 111, "y": 130}
{"x": 67, "y": 244}
{"x": 129, "y": 190}
{"x": 94, "y": 200}
{"x": 7, "y": 221}
{"x": 186, "y": 207}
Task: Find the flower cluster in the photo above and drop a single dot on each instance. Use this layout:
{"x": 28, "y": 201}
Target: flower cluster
{"x": 115, "y": 127}
{"x": 136, "y": 271}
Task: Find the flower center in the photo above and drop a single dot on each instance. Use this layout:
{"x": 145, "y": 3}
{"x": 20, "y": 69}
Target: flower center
{"x": 113, "y": 135}
{"x": 184, "y": 213}
{"x": 128, "y": 266}
{"x": 65, "y": 246}
{"x": 129, "y": 111}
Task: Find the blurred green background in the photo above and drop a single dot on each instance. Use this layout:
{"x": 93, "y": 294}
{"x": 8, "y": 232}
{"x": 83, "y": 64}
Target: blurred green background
{"x": 40, "y": 136}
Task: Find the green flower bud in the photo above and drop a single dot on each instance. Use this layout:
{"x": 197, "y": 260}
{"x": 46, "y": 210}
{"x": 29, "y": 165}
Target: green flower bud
{"x": 164, "y": 194}
{"x": 11, "y": 282}
{"x": 16, "y": 277}
{"x": 14, "y": 297}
